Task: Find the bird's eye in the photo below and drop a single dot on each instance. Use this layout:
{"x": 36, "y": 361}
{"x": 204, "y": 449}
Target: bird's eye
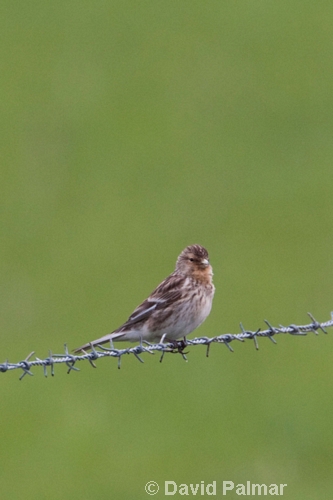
{"x": 191, "y": 259}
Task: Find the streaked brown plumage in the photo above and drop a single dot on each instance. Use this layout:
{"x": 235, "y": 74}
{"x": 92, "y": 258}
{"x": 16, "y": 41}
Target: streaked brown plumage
{"x": 175, "y": 308}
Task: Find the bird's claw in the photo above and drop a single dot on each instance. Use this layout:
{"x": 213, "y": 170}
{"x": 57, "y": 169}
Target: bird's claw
{"x": 178, "y": 346}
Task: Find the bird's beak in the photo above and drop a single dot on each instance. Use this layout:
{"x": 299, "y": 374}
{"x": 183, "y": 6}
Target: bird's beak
{"x": 205, "y": 262}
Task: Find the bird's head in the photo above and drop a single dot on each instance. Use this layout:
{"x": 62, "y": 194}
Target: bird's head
{"x": 194, "y": 261}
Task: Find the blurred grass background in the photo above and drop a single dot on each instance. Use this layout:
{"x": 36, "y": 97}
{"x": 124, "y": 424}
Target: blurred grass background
{"x": 130, "y": 130}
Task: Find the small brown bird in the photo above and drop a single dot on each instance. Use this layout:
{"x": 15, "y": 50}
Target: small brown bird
{"x": 175, "y": 308}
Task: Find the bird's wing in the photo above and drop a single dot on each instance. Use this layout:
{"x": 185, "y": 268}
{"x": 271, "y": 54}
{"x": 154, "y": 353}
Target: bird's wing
{"x": 169, "y": 291}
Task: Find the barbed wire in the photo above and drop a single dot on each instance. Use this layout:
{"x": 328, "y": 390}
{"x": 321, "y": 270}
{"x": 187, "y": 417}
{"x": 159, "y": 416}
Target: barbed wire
{"x": 176, "y": 347}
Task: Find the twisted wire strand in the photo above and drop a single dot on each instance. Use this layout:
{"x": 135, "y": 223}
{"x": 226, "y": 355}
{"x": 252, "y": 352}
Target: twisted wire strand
{"x": 168, "y": 347}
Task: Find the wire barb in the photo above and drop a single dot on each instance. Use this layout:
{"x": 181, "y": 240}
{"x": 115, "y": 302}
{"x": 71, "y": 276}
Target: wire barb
{"x": 25, "y": 365}
{"x": 317, "y": 325}
{"x": 176, "y": 347}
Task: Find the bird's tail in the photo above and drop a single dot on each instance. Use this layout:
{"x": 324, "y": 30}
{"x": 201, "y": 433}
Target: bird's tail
{"x": 103, "y": 340}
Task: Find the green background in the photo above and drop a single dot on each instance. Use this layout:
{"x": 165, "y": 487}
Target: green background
{"x": 128, "y": 131}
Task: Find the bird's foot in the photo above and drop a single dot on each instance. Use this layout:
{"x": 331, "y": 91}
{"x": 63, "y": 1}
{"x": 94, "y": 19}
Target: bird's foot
{"x": 178, "y": 346}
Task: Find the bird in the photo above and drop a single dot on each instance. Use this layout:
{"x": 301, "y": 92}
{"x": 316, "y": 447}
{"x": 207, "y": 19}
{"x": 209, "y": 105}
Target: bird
{"x": 175, "y": 308}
